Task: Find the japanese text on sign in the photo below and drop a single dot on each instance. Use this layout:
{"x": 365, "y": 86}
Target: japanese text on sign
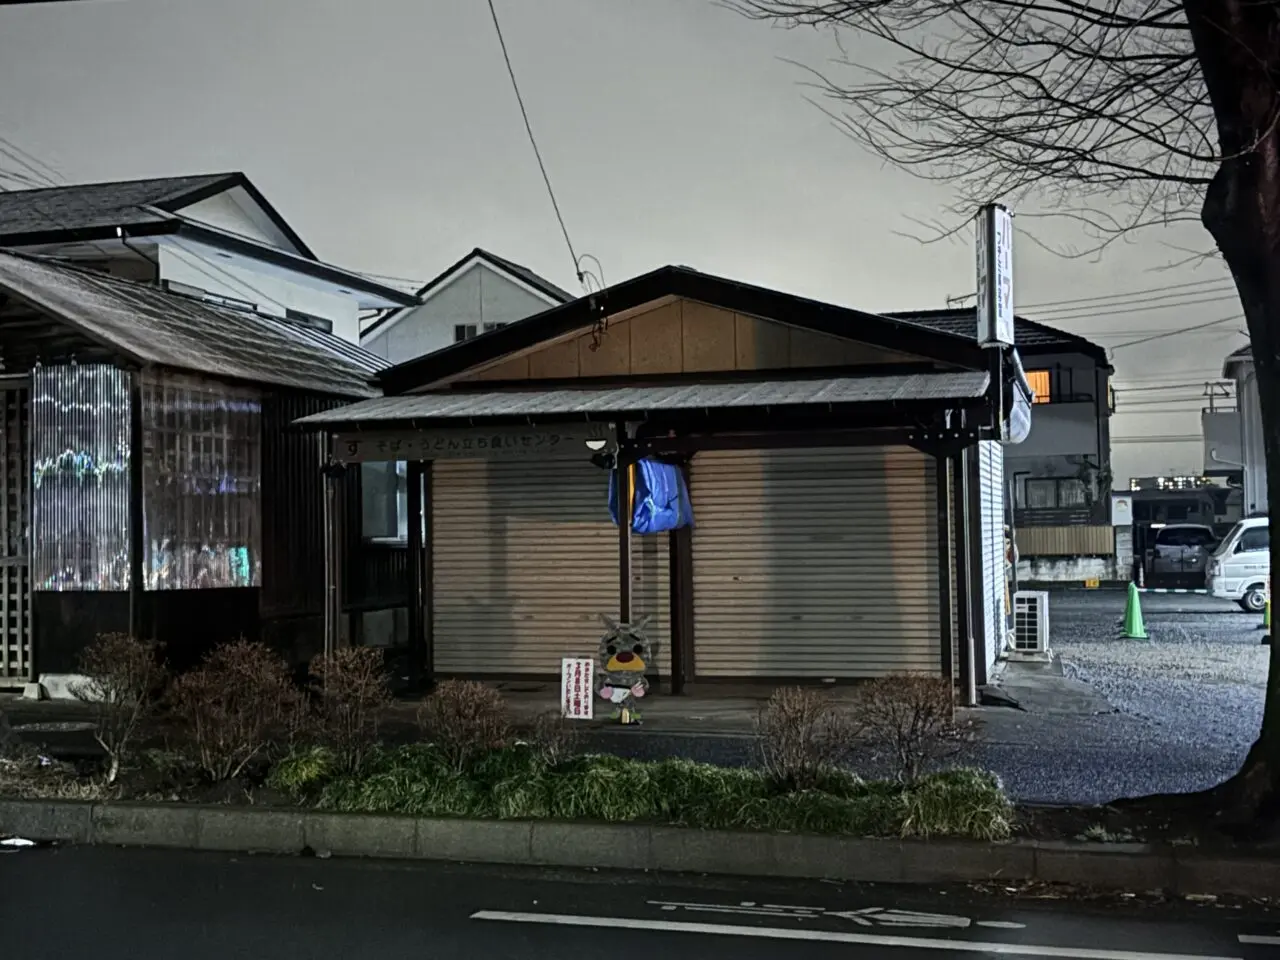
{"x": 496, "y": 444}
{"x": 577, "y": 679}
{"x": 995, "y": 275}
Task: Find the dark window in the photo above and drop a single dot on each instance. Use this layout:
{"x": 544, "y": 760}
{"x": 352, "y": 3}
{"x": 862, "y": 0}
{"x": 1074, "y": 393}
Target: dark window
{"x": 1258, "y": 538}
{"x": 463, "y": 331}
{"x": 1052, "y": 493}
{"x": 490, "y": 327}
{"x": 1200, "y": 538}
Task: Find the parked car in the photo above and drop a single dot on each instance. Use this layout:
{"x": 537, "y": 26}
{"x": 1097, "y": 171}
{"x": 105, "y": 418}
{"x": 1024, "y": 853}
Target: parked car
{"x": 1240, "y": 568}
{"x": 1181, "y": 551}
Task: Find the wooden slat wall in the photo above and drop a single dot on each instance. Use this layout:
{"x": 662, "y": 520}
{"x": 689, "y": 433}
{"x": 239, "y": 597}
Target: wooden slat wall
{"x": 1075, "y": 541}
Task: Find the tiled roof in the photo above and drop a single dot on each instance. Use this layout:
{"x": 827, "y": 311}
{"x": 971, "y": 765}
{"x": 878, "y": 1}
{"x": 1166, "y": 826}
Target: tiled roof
{"x": 95, "y": 205}
{"x": 1026, "y": 333}
{"x": 153, "y": 326}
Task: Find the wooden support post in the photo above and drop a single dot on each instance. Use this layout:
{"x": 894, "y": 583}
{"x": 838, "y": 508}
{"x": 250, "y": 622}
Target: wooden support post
{"x": 941, "y": 465}
{"x": 622, "y": 484}
{"x": 963, "y": 581}
{"x": 415, "y": 572}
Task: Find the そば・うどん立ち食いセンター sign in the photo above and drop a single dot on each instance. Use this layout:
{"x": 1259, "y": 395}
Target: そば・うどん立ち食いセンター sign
{"x": 499, "y": 443}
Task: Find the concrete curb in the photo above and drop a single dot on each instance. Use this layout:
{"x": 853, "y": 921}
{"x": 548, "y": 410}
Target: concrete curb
{"x": 631, "y": 846}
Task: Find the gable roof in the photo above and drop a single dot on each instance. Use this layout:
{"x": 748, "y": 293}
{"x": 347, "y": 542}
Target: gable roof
{"x": 523, "y": 275}
{"x": 1029, "y": 337}
{"x": 93, "y": 211}
{"x": 146, "y": 325}
{"x": 686, "y": 283}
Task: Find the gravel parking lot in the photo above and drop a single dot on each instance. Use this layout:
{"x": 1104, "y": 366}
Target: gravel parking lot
{"x": 1196, "y": 685}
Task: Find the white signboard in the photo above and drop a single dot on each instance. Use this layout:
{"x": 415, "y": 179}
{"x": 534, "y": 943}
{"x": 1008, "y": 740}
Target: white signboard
{"x": 497, "y": 443}
{"x": 995, "y": 275}
{"x": 1121, "y": 510}
{"x": 577, "y": 688}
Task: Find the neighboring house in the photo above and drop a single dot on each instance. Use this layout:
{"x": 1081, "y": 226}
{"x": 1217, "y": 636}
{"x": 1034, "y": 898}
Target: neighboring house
{"x": 202, "y": 235}
{"x": 478, "y": 294}
{"x": 152, "y": 480}
{"x": 1059, "y": 478}
{"x": 813, "y": 437}
{"x": 1247, "y": 454}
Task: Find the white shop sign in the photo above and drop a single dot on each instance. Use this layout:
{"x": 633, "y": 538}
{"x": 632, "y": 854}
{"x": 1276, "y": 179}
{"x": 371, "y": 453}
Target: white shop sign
{"x": 577, "y": 678}
{"x": 995, "y": 275}
{"x": 498, "y": 443}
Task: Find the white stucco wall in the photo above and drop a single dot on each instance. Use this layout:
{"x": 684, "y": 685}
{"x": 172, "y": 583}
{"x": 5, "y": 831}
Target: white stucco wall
{"x": 477, "y": 295}
{"x": 269, "y": 288}
{"x": 236, "y": 211}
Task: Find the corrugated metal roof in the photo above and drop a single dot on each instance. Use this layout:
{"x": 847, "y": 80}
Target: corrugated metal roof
{"x": 369, "y": 362}
{"x": 85, "y": 206}
{"x": 612, "y": 400}
{"x": 151, "y": 325}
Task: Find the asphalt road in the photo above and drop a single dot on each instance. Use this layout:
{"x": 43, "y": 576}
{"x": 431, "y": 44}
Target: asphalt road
{"x": 156, "y": 905}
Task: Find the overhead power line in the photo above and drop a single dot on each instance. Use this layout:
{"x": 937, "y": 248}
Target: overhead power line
{"x": 1234, "y": 318}
{"x": 533, "y": 142}
{"x": 1128, "y": 293}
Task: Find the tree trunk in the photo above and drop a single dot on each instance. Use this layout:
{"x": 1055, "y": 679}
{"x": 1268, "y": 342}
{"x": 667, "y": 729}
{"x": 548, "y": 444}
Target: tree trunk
{"x": 1237, "y": 43}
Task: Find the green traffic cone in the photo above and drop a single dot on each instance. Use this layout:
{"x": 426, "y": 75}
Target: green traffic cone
{"x": 1133, "y": 626}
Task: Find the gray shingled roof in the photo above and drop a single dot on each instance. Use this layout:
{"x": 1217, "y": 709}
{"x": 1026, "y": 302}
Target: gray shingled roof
{"x": 964, "y": 323}
{"x": 570, "y": 402}
{"x": 95, "y": 205}
{"x": 151, "y": 326}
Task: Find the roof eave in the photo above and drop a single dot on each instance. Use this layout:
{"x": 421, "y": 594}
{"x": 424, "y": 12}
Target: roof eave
{"x": 282, "y": 258}
{"x": 680, "y": 282}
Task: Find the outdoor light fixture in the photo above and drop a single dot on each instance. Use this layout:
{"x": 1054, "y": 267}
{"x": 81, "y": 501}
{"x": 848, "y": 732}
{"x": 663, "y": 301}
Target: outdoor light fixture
{"x": 596, "y": 445}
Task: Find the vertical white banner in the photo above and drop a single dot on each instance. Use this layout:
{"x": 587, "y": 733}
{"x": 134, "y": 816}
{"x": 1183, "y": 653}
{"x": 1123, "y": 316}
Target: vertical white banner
{"x": 577, "y": 683}
{"x": 994, "y": 245}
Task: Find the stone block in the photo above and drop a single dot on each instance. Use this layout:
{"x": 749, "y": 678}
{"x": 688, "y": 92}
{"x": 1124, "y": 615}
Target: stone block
{"x": 249, "y": 830}
{"x": 475, "y": 841}
{"x": 67, "y": 821}
{"x": 361, "y": 835}
{"x": 145, "y": 825}
{"x": 957, "y": 861}
{"x": 1227, "y": 876}
{"x": 623, "y": 846}
{"x": 1133, "y": 867}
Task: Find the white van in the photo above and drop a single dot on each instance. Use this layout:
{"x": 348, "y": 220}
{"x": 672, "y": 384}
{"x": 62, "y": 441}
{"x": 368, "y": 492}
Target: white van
{"x": 1241, "y": 565}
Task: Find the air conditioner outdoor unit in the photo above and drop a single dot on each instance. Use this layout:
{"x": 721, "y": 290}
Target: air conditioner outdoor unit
{"x": 1031, "y": 624}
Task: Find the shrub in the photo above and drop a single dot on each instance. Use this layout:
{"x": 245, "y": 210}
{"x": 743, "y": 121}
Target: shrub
{"x": 235, "y": 705}
{"x": 803, "y": 735}
{"x": 123, "y": 677}
{"x": 554, "y": 739}
{"x": 303, "y": 770}
{"x": 913, "y": 719}
{"x": 352, "y": 691}
{"x": 464, "y": 719}
{"x": 957, "y": 803}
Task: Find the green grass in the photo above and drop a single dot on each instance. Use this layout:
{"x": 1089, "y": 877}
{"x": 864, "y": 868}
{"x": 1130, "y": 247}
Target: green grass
{"x": 517, "y": 783}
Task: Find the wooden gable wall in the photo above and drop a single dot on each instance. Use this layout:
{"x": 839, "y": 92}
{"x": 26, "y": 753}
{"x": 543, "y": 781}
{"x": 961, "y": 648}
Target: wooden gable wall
{"x": 685, "y": 336}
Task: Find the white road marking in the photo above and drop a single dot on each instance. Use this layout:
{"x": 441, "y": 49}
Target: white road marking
{"x": 865, "y": 939}
{"x": 1262, "y": 941}
{"x": 865, "y": 917}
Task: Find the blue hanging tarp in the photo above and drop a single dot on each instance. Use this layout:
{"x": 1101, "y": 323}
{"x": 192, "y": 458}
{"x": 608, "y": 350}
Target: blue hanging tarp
{"x": 659, "y": 496}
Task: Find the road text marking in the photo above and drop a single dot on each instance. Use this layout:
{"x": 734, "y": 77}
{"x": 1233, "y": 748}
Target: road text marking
{"x": 866, "y": 939}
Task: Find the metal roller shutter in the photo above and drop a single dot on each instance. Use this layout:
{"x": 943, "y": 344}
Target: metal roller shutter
{"x": 525, "y": 560}
{"x": 815, "y": 563}
{"x": 991, "y": 474}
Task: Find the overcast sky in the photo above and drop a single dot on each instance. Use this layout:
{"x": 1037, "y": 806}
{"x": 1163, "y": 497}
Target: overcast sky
{"x": 387, "y": 133}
